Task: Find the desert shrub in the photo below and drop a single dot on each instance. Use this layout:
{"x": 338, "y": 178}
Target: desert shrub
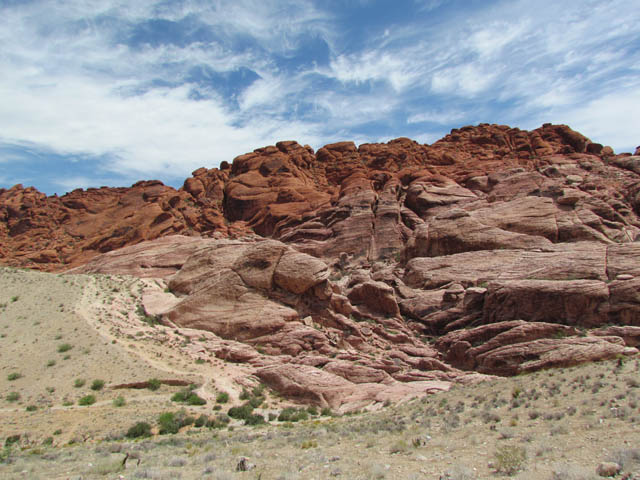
{"x": 488, "y": 417}
{"x": 31, "y": 408}
{"x": 172, "y": 422}
{"x": 180, "y": 396}
{"x": 254, "y": 419}
{"x": 510, "y": 459}
{"x": 79, "y": 382}
{"x": 220, "y": 421}
{"x": 188, "y": 397}
{"x": 309, "y": 444}
{"x": 11, "y": 440}
{"x": 153, "y": 384}
{"x": 12, "y": 397}
{"x": 258, "y": 391}
{"x": 240, "y": 413}
{"x": 97, "y": 385}
{"x": 140, "y": 429}
{"x": 151, "y": 320}
{"x": 201, "y": 421}
{"x": 87, "y": 400}
{"x": 194, "y": 399}
{"x": 245, "y": 395}
{"x": 326, "y": 412}
{"x": 13, "y": 376}
{"x": 223, "y": 397}
{"x": 119, "y": 401}
{"x": 64, "y": 347}
{"x": 291, "y": 414}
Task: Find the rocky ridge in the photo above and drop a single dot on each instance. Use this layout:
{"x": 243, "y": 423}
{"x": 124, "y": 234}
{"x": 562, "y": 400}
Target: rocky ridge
{"x": 373, "y": 273}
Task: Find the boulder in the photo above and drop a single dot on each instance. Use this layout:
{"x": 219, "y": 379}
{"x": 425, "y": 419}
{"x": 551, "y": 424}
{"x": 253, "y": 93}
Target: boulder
{"x": 298, "y": 272}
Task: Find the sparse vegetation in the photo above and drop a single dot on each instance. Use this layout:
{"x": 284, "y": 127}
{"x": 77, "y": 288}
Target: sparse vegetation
{"x": 13, "y": 376}
{"x": 87, "y": 400}
{"x": 510, "y": 459}
{"x": 97, "y": 385}
{"x": 222, "y": 397}
{"x": 188, "y": 397}
{"x": 64, "y": 347}
{"x": 12, "y": 397}
{"x": 140, "y": 429}
{"x": 154, "y": 384}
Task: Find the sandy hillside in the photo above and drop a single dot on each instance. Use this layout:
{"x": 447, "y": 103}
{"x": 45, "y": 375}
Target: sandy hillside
{"x": 61, "y": 333}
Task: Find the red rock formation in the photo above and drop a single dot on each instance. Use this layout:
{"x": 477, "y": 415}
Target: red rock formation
{"x": 502, "y": 246}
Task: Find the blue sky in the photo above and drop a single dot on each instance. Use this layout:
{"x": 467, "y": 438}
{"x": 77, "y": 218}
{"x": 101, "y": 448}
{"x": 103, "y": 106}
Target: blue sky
{"x": 109, "y": 92}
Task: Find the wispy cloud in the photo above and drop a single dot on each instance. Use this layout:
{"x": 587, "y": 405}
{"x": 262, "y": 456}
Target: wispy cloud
{"x": 156, "y": 88}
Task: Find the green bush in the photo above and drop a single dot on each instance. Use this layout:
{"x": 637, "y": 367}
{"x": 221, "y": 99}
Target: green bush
{"x": 258, "y": 391}
{"x": 13, "y": 397}
{"x": 180, "y": 396}
{"x": 119, "y": 401}
{"x": 194, "y": 399}
{"x": 97, "y": 385}
{"x": 326, "y": 412}
{"x": 201, "y": 421}
{"x": 291, "y": 414}
{"x": 172, "y": 422}
{"x": 11, "y": 440}
{"x": 87, "y": 400}
{"x": 245, "y": 395}
{"x": 188, "y": 397}
{"x": 153, "y": 384}
{"x": 64, "y": 347}
{"x": 140, "y": 429}
{"x": 31, "y": 408}
{"x": 220, "y": 421}
{"x": 13, "y": 376}
{"x": 79, "y": 382}
{"x": 240, "y": 413}
{"x": 223, "y": 397}
{"x": 254, "y": 419}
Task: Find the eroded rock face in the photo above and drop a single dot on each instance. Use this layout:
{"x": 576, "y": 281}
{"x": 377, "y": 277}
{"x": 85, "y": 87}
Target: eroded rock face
{"x": 355, "y": 275}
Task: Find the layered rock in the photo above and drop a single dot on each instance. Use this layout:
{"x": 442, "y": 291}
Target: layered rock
{"x": 363, "y": 274}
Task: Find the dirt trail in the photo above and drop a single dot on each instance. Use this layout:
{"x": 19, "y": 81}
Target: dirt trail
{"x": 115, "y": 316}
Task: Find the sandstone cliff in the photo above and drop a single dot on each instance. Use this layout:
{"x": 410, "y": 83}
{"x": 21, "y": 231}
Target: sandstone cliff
{"x": 358, "y": 274}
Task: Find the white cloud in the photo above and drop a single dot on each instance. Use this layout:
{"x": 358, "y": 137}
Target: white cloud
{"x": 611, "y": 119}
{"x": 70, "y": 84}
{"x": 437, "y": 116}
{"x": 465, "y": 80}
{"x": 399, "y": 71}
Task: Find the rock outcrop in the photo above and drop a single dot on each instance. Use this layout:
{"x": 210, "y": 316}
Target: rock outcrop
{"x": 364, "y": 274}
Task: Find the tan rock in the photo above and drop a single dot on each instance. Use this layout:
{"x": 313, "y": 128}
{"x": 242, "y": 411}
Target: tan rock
{"x": 298, "y": 272}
